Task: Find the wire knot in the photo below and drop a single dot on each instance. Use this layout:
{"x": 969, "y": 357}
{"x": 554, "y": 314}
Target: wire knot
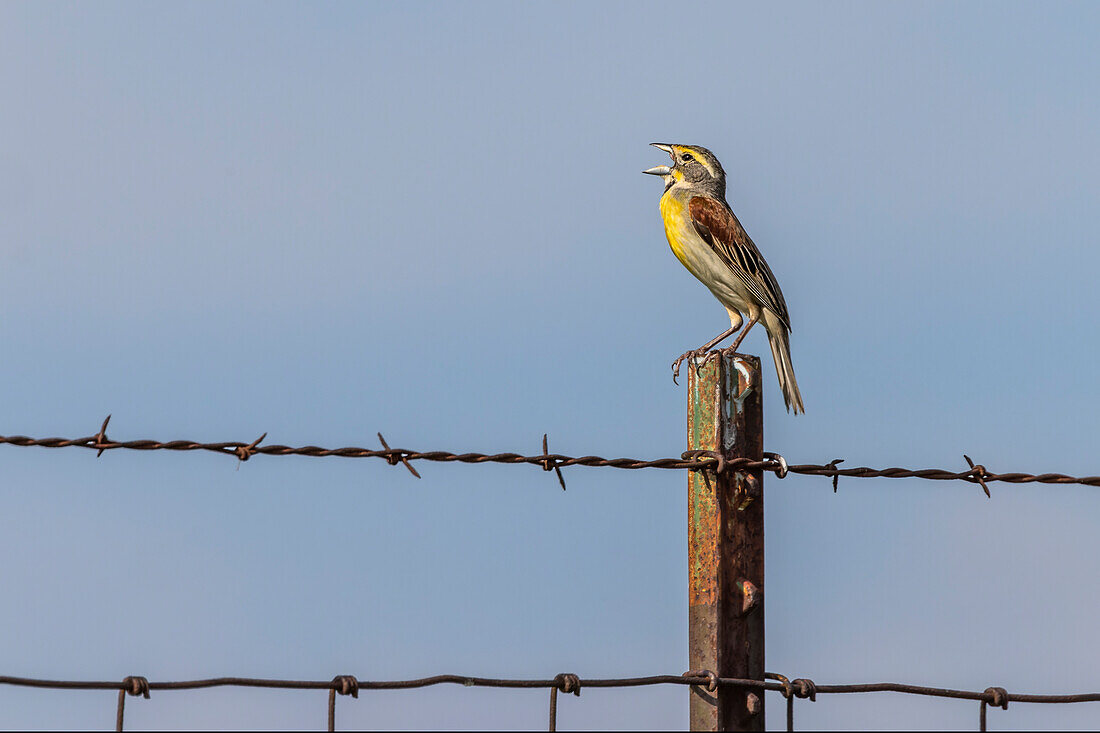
{"x": 805, "y": 689}
{"x": 781, "y": 469}
{"x": 712, "y": 678}
{"x": 346, "y": 684}
{"x": 717, "y": 456}
{"x": 244, "y": 452}
{"x": 393, "y": 457}
{"x": 998, "y": 697}
{"x": 550, "y": 464}
{"x": 136, "y": 686}
{"x": 567, "y": 683}
{"x": 978, "y": 475}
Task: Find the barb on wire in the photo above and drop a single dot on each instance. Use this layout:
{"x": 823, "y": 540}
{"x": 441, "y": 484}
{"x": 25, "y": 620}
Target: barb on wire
{"x": 978, "y": 474}
{"x": 833, "y": 464}
{"x": 101, "y": 436}
{"x": 550, "y": 463}
{"x": 689, "y": 460}
{"x": 245, "y": 452}
{"x": 393, "y": 457}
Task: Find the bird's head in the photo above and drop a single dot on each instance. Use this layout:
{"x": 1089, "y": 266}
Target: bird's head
{"x": 692, "y": 167}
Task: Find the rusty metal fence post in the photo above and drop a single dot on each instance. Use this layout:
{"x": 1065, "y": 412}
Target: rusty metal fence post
{"x": 726, "y": 541}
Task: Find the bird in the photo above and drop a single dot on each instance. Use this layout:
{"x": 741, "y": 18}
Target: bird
{"x": 710, "y": 242}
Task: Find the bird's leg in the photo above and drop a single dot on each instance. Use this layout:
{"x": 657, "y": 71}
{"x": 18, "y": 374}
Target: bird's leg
{"x": 717, "y": 340}
{"x": 745, "y": 332}
{"x": 700, "y": 351}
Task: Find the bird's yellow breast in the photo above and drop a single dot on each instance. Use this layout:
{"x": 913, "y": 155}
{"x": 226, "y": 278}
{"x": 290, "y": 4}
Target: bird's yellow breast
{"x": 677, "y": 223}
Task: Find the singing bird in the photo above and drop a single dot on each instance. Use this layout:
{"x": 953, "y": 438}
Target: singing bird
{"x": 711, "y": 243}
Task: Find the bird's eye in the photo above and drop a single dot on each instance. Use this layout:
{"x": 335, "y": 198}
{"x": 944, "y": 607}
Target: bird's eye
{"x": 686, "y": 158}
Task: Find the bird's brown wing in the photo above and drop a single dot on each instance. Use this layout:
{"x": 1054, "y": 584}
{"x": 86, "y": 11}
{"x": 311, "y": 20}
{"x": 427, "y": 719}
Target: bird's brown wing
{"x": 719, "y": 228}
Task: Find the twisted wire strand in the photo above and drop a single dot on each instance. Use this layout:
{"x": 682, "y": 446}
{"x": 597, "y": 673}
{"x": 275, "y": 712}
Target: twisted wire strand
{"x": 690, "y": 460}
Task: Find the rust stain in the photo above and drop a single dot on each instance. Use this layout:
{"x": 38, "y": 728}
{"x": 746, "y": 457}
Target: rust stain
{"x": 725, "y": 535}
{"x": 703, "y": 515}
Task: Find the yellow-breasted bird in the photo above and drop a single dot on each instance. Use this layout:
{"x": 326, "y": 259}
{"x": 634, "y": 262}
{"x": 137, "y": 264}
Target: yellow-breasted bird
{"x": 711, "y": 243}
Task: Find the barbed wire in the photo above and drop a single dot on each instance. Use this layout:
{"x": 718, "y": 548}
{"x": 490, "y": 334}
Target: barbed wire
{"x": 349, "y": 685}
{"x": 689, "y": 460}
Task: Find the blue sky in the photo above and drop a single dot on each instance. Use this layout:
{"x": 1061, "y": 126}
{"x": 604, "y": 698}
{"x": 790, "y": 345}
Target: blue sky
{"x": 322, "y": 221}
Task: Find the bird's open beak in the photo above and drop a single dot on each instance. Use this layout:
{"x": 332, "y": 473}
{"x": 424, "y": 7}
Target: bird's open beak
{"x": 661, "y": 170}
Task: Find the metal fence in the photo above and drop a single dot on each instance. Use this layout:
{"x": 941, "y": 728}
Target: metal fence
{"x": 689, "y": 460}
{"x": 804, "y": 689}
{"x": 701, "y": 681}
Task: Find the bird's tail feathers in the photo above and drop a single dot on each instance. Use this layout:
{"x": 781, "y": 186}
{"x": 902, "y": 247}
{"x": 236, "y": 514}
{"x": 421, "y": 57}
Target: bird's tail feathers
{"x": 781, "y": 354}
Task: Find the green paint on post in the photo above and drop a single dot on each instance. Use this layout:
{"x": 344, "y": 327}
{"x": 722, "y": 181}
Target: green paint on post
{"x": 726, "y": 541}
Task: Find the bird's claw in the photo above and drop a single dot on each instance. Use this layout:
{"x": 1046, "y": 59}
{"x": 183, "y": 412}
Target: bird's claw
{"x": 692, "y": 355}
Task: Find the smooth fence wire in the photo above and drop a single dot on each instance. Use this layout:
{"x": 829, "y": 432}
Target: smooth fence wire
{"x": 689, "y": 460}
{"x": 348, "y": 685}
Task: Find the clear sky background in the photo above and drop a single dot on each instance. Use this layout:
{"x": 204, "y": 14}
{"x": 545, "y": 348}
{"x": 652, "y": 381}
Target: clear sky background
{"x": 325, "y": 220}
